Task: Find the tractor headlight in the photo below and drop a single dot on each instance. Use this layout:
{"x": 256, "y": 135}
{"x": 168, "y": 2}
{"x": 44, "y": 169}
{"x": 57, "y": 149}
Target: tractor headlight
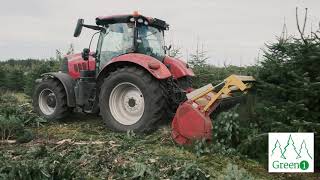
{"x": 140, "y": 20}
{"x": 132, "y": 19}
{"x": 146, "y": 23}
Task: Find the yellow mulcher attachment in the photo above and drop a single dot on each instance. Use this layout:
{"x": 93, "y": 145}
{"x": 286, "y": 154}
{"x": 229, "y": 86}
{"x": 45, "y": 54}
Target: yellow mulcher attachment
{"x": 192, "y": 119}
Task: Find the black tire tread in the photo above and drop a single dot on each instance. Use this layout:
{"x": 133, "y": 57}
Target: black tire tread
{"x": 174, "y": 95}
{"x": 62, "y": 110}
{"x": 153, "y": 86}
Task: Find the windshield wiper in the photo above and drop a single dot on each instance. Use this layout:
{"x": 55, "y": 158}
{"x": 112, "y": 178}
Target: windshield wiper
{"x": 148, "y": 35}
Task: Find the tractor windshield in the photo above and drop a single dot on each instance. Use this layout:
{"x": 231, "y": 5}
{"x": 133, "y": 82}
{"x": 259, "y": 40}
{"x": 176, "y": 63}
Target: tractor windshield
{"x": 120, "y": 39}
{"x": 150, "y": 41}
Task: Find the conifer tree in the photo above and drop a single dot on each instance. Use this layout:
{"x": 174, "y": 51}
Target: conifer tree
{"x": 199, "y": 58}
{"x": 277, "y": 147}
{"x": 289, "y": 144}
{"x": 303, "y": 148}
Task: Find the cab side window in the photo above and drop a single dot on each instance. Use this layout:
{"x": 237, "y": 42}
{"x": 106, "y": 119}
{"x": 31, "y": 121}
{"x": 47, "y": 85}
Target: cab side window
{"x": 117, "y": 40}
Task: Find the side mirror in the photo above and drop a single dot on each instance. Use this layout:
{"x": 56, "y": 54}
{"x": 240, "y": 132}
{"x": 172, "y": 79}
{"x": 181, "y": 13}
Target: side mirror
{"x": 167, "y": 48}
{"x": 85, "y": 54}
{"x": 78, "y": 29}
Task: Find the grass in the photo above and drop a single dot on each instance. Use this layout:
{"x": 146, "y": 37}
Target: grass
{"x": 126, "y": 149}
{"x": 82, "y": 144}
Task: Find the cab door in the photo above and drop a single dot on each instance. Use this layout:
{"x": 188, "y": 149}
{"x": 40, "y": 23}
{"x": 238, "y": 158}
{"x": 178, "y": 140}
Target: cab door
{"x": 117, "y": 40}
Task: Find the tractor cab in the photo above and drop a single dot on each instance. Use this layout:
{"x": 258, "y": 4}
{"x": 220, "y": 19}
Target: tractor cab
{"x": 125, "y": 34}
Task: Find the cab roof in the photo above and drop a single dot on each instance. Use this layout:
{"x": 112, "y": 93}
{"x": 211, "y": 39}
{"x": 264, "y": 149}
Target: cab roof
{"x": 105, "y": 20}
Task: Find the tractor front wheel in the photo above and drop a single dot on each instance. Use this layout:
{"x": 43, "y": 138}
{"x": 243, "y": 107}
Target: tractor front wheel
{"x": 50, "y": 100}
{"x": 131, "y": 99}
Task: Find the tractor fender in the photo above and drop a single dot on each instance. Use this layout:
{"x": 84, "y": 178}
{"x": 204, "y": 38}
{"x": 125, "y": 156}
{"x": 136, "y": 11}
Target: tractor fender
{"x": 178, "y": 68}
{"x": 152, "y": 65}
{"x": 68, "y": 84}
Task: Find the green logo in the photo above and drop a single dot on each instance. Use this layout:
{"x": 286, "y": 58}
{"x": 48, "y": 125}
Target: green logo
{"x": 291, "y": 144}
{"x": 291, "y": 152}
{"x": 304, "y": 165}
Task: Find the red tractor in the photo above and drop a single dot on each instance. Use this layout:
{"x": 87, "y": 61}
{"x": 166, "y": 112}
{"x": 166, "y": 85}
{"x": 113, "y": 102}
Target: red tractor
{"x": 131, "y": 82}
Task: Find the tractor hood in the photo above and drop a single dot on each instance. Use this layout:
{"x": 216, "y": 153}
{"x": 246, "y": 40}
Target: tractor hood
{"x": 76, "y": 64}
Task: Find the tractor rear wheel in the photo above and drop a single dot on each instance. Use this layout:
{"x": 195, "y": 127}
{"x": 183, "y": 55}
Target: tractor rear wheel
{"x": 50, "y": 100}
{"x": 131, "y": 99}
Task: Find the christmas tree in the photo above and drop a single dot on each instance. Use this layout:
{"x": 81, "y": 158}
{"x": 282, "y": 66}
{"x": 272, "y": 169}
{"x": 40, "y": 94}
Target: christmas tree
{"x": 304, "y": 150}
{"x": 290, "y": 143}
{"x": 277, "y": 146}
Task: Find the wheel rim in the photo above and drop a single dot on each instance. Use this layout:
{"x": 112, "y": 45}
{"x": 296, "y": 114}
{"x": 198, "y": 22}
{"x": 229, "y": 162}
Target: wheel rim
{"x": 126, "y": 103}
{"x": 47, "y": 101}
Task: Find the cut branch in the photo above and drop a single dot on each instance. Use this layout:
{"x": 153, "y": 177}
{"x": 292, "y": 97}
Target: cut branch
{"x": 304, "y": 24}
{"x": 305, "y": 20}
{"x": 315, "y": 35}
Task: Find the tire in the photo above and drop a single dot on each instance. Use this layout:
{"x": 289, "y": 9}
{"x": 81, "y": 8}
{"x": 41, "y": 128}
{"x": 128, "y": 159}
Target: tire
{"x": 185, "y": 83}
{"x": 175, "y": 93}
{"x": 131, "y": 99}
{"x": 50, "y": 100}
{"x": 174, "y": 96}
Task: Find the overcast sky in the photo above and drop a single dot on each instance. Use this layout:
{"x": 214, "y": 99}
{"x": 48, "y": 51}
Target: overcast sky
{"x": 230, "y": 30}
